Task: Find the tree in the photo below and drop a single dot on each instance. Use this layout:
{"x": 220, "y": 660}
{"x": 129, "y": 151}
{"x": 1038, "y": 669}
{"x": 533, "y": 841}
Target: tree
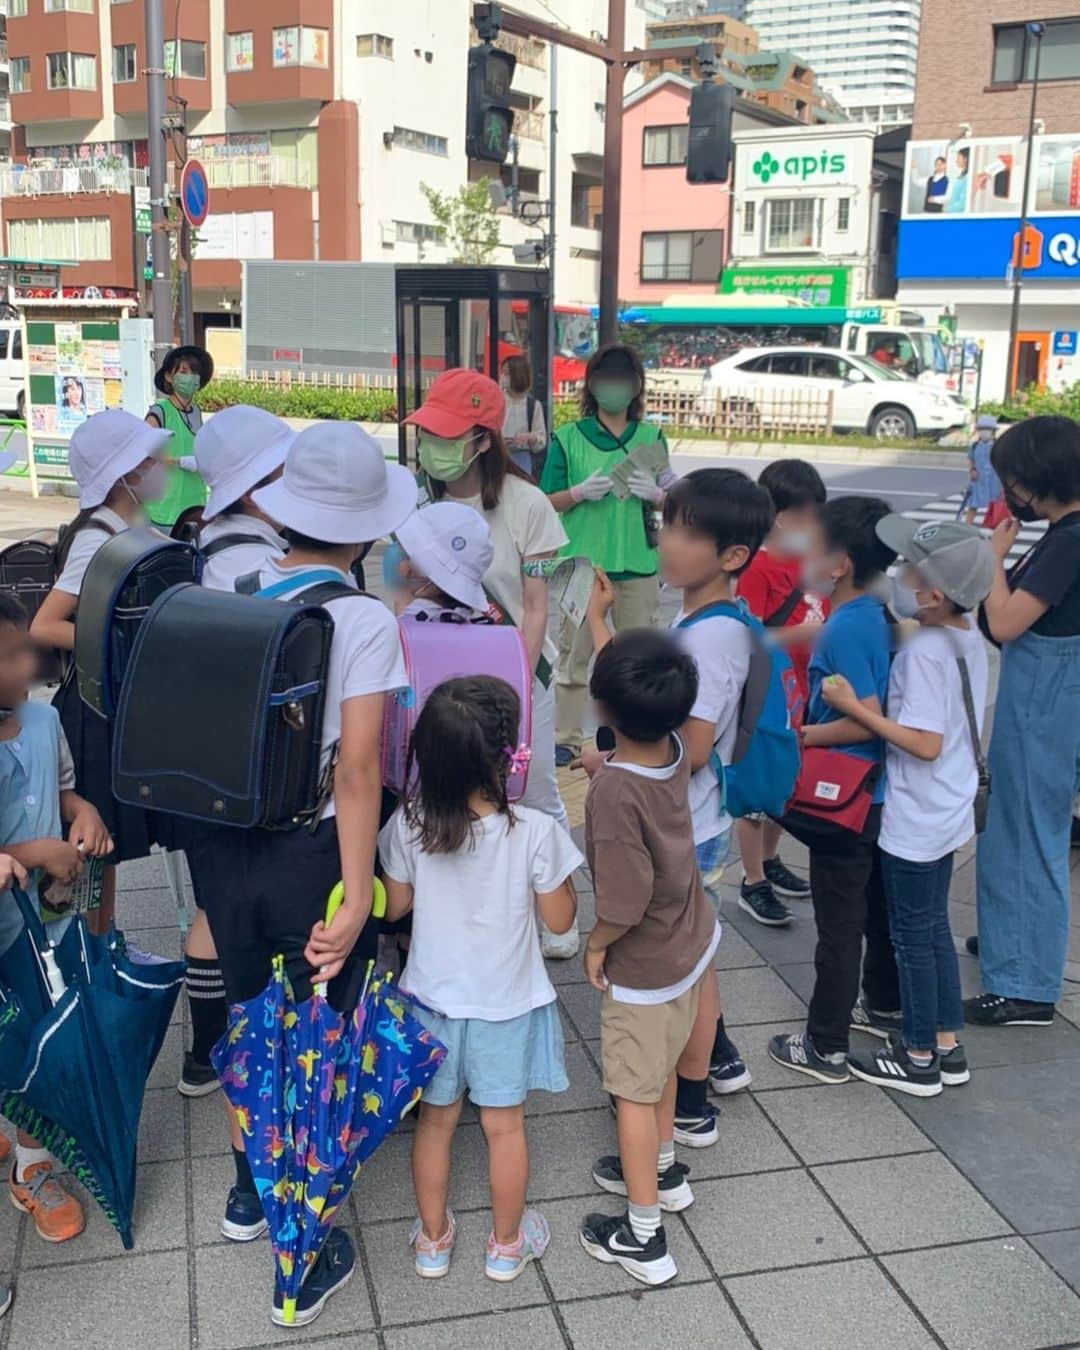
{"x": 468, "y": 221}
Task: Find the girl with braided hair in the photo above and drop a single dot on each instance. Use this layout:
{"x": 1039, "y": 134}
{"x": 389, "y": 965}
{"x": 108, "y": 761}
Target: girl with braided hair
{"x": 478, "y": 875}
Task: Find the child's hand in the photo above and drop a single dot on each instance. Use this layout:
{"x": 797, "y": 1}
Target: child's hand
{"x": 88, "y": 830}
{"x": 973, "y": 474}
{"x": 592, "y": 761}
{"x": 11, "y": 872}
{"x": 61, "y": 860}
{"x": 602, "y": 599}
{"x": 594, "y": 967}
{"x": 329, "y": 947}
{"x": 1003, "y": 538}
{"x": 838, "y": 693}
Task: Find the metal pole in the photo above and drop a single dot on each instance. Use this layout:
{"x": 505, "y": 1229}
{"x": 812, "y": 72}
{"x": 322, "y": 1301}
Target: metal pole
{"x": 1036, "y": 31}
{"x": 187, "y": 307}
{"x": 161, "y": 285}
{"x": 553, "y": 170}
{"x": 609, "y": 236}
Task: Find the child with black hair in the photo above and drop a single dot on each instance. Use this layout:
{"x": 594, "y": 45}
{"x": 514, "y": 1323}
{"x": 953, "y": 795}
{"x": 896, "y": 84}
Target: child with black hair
{"x": 477, "y": 876}
{"x": 651, "y": 950}
{"x": 772, "y": 587}
{"x": 845, "y": 563}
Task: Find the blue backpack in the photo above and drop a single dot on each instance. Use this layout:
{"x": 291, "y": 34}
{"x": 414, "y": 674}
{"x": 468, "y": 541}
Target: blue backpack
{"x": 765, "y": 761}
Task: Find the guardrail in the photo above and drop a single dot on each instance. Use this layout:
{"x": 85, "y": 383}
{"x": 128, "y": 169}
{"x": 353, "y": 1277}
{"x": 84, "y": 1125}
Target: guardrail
{"x": 757, "y": 413}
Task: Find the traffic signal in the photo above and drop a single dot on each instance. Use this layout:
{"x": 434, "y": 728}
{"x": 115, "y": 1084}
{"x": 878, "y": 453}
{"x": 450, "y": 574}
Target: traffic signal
{"x": 489, "y": 118}
{"x": 708, "y": 155}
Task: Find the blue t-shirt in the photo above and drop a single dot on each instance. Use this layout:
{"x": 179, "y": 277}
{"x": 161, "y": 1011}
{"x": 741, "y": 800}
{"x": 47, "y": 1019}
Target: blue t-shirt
{"x": 856, "y": 643}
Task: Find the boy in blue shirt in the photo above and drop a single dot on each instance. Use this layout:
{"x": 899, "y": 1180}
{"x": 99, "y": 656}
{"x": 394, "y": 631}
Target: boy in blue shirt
{"x": 845, "y": 871}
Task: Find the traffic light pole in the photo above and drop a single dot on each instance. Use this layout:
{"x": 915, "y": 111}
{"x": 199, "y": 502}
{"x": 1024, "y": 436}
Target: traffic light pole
{"x": 618, "y": 61}
{"x": 160, "y": 253}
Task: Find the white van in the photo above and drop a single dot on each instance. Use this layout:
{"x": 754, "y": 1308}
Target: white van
{"x": 12, "y": 369}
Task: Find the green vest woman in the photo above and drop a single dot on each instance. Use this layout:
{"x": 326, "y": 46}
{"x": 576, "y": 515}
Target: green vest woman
{"x": 183, "y": 373}
{"x": 613, "y": 533}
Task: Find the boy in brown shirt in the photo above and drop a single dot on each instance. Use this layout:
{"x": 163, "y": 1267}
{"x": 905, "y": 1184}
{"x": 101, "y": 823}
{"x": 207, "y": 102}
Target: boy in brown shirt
{"x": 654, "y": 939}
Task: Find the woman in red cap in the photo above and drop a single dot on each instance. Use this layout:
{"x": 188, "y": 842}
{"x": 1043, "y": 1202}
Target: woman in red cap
{"x": 463, "y": 458}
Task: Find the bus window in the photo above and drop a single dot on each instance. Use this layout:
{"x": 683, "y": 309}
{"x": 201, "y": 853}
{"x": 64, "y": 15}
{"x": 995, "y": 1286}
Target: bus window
{"x": 931, "y": 353}
{"x": 893, "y": 350}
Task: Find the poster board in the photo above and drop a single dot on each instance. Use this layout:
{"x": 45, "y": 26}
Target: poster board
{"x": 73, "y": 371}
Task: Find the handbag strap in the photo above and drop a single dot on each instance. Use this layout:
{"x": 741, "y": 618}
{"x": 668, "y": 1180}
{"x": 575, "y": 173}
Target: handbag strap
{"x": 972, "y": 720}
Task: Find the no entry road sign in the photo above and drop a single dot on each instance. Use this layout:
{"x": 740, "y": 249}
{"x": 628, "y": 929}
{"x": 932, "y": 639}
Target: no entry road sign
{"x": 194, "y": 193}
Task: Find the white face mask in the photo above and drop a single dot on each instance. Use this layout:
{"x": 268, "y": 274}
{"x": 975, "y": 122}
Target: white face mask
{"x": 985, "y": 434}
{"x": 795, "y": 543}
{"x": 817, "y": 582}
{"x": 151, "y": 486}
{"x": 904, "y": 601}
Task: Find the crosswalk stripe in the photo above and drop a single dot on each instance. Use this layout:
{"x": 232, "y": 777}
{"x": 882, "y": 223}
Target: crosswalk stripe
{"x": 946, "y": 508}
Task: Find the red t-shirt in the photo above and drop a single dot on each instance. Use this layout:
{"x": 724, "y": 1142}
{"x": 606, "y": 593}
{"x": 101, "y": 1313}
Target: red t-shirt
{"x": 766, "y": 585}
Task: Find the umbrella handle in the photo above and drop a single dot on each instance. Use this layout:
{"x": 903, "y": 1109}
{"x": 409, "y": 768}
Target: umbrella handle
{"x": 53, "y": 980}
{"x": 336, "y": 899}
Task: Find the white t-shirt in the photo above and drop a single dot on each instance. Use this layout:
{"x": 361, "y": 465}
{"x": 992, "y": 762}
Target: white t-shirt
{"x": 516, "y": 422}
{"x": 83, "y": 547}
{"x": 523, "y": 525}
{"x": 928, "y": 804}
{"x": 721, "y": 649}
{"x": 475, "y": 949}
{"x": 365, "y": 654}
{"x": 237, "y": 560}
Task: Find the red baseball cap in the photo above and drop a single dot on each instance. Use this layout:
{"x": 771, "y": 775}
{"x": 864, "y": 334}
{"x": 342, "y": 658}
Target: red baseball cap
{"x": 458, "y": 401}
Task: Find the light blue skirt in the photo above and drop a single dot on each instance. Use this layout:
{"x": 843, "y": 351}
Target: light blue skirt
{"x": 497, "y": 1063}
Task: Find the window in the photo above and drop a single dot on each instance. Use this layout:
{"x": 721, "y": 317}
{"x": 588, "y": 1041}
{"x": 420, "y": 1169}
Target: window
{"x": 413, "y": 232}
{"x": 16, "y": 345}
{"x": 20, "y": 74}
{"x": 688, "y": 255}
{"x": 123, "y": 63}
{"x": 426, "y": 141}
{"x": 16, "y": 9}
{"x": 82, "y": 239}
{"x": 69, "y": 70}
{"x": 295, "y": 46}
{"x": 375, "y": 44}
{"x": 755, "y": 366}
{"x": 75, "y": 6}
{"x": 794, "y": 225}
{"x": 665, "y": 145}
{"x": 192, "y": 60}
{"x": 843, "y": 215}
{"x": 1014, "y": 52}
{"x": 749, "y": 217}
{"x": 788, "y": 363}
{"x": 828, "y": 368}
{"x": 239, "y": 51}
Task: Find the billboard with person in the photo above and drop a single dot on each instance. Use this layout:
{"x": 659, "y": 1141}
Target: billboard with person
{"x": 979, "y": 177}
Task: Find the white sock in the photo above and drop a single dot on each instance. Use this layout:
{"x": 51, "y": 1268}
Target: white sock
{"x": 645, "y": 1221}
{"x": 27, "y": 1157}
{"x": 666, "y": 1157}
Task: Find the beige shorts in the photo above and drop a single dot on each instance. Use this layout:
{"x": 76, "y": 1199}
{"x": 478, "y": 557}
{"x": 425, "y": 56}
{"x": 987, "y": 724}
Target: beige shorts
{"x": 640, "y": 1043}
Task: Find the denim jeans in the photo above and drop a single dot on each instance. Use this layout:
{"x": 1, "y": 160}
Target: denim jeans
{"x": 917, "y": 895}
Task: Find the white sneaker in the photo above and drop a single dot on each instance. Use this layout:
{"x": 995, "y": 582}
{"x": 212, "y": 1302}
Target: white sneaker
{"x": 560, "y": 946}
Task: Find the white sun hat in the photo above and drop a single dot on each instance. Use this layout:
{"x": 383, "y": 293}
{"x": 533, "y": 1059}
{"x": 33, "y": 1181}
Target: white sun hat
{"x": 106, "y": 447}
{"x": 450, "y": 544}
{"x": 338, "y": 488}
{"x": 236, "y": 449}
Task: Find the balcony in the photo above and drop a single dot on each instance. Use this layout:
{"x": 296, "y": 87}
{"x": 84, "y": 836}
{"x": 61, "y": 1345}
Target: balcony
{"x": 3, "y": 51}
{"x": 257, "y": 171}
{"x": 5, "y": 111}
{"x": 238, "y": 171}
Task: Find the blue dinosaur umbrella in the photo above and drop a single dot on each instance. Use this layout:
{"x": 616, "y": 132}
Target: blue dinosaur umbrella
{"x": 81, "y": 1025}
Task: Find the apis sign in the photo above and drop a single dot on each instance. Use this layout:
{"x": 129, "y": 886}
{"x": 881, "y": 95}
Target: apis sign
{"x": 821, "y": 167}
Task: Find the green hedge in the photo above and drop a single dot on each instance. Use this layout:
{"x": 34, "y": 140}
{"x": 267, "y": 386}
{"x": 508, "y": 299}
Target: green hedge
{"x": 349, "y": 405}
{"x": 1034, "y": 402}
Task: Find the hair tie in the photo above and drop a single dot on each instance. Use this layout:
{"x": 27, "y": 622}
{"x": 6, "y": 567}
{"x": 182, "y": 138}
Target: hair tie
{"x": 519, "y": 758}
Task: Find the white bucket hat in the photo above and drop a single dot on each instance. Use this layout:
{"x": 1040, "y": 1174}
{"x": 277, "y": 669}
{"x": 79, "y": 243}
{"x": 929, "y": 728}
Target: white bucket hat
{"x": 237, "y": 448}
{"x": 106, "y": 447}
{"x": 451, "y": 545}
{"x": 338, "y": 488}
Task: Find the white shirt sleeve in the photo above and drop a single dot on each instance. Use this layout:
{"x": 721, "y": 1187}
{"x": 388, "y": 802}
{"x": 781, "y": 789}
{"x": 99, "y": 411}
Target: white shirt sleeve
{"x": 721, "y": 673}
{"x": 372, "y": 660}
{"x": 83, "y": 547}
{"x": 555, "y": 856}
{"x": 397, "y": 850}
{"x": 922, "y": 684}
{"x": 543, "y": 530}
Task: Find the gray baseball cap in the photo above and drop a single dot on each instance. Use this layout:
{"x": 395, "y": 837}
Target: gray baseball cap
{"x": 955, "y": 559}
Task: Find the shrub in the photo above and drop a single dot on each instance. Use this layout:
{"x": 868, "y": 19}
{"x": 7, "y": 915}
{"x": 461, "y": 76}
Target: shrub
{"x": 303, "y": 400}
{"x": 1036, "y": 402}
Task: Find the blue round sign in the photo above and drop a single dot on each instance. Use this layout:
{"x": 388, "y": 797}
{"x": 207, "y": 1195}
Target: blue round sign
{"x": 194, "y": 193}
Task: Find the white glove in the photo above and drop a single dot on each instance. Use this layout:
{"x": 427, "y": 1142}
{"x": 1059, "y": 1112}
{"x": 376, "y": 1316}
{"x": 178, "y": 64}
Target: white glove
{"x": 644, "y": 487}
{"x": 594, "y": 489}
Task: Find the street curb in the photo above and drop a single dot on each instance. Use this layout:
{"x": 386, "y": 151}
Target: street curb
{"x": 831, "y": 454}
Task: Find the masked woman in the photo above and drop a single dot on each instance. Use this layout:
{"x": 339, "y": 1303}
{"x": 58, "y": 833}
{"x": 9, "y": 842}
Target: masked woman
{"x": 183, "y": 373}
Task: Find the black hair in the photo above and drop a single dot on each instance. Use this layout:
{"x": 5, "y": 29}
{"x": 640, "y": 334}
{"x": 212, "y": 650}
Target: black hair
{"x": 645, "y": 683}
{"x": 614, "y": 359}
{"x": 722, "y": 503}
{"x": 965, "y": 154}
{"x": 850, "y": 525}
{"x": 1042, "y": 454}
{"x": 12, "y": 610}
{"x": 792, "y": 483}
{"x": 461, "y": 744}
{"x": 309, "y": 545}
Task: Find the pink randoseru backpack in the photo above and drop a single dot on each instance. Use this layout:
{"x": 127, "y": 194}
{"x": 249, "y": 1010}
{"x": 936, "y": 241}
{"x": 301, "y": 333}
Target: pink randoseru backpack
{"x": 435, "y": 652}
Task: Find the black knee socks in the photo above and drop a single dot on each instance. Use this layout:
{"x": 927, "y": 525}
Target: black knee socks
{"x": 245, "y": 1182}
{"x": 690, "y": 1097}
{"x": 209, "y": 1008}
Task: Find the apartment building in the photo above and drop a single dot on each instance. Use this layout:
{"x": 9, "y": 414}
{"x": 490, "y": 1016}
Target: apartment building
{"x": 318, "y": 122}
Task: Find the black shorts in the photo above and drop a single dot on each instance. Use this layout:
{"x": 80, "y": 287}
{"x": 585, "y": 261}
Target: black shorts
{"x": 263, "y": 891}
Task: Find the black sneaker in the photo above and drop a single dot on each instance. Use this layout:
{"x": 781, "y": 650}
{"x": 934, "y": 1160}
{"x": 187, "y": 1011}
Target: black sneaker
{"x": 197, "y": 1080}
{"x": 565, "y": 756}
{"x": 893, "y": 1067}
{"x": 672, "y": 1188}
{"x": 796, "y": 1051}
{"x": 697, "y": 1131}
{"x": 784, "y": 881}
{"x": 760, "y": 903}
{"x": 883, "y": 1024}
{"x": 332, "y": 1271}
{"x": 728, "y": 1073}
{"x": 971, "y": 944}
{"x": 1074, "y": 838}
{"x": 244, "y": 1219}
{"x": 954, "y": 1066}
{"x": 611, "y": 1239}
{"x": 992, "y": 1010}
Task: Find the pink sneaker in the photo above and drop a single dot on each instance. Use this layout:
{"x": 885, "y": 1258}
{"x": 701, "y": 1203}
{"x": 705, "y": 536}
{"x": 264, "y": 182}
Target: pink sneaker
{"x": 433, "y": 1258}
{"x": 506, "y": 1261}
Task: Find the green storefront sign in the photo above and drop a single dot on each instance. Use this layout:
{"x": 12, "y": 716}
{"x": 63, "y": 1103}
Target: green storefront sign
{"x": 811, "y": 285}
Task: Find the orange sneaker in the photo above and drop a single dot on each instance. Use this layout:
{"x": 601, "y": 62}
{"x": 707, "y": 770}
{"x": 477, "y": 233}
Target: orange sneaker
{"x": 5, "y": 1148}
{"x": 57, "y": 1216}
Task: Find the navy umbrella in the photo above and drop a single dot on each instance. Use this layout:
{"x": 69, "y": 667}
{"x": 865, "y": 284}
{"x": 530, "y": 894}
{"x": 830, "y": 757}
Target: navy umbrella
{"x": 81, "y": 1024}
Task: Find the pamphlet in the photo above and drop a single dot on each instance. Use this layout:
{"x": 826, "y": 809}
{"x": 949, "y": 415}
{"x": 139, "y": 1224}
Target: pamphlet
{"x": 651, "y": 459}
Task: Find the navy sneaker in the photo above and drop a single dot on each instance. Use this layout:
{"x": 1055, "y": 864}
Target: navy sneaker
{"x": 332, "y": 1271}
{"x": 992, "y": 1010}
{"x": 784, "y": 881}
{"x": 197, "y": 1080}
{"x": 893, "y": 1067}
{"x": 672, "y": 1188}
{"x": 874, "y": 1023}
{"x": 609, "y": 1238}
{"x": 244, "y": 1219}
{"x": 727, "y": 1072}
{"x": 565, "y": 756}
{"x": 954, "y": 1067}
{"x": 971, "y": 945}
{"x": 760, "y": 903}
{"x": 697, "y": 1131}
{"x": 798, "y": 1052}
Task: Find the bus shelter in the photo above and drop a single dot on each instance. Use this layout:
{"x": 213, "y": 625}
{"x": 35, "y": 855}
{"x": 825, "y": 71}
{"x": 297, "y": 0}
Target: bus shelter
{"x": 467, "y": 316}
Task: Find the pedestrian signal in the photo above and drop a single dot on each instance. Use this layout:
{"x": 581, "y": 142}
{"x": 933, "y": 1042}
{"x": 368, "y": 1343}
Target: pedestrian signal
{"x": 708, "y": 156}
{"x": 489, "y": 118}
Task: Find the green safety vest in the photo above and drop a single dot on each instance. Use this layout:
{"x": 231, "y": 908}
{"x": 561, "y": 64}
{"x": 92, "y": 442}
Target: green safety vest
{"x": 185, "y": 489}
{"x": 610, "y": 533}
